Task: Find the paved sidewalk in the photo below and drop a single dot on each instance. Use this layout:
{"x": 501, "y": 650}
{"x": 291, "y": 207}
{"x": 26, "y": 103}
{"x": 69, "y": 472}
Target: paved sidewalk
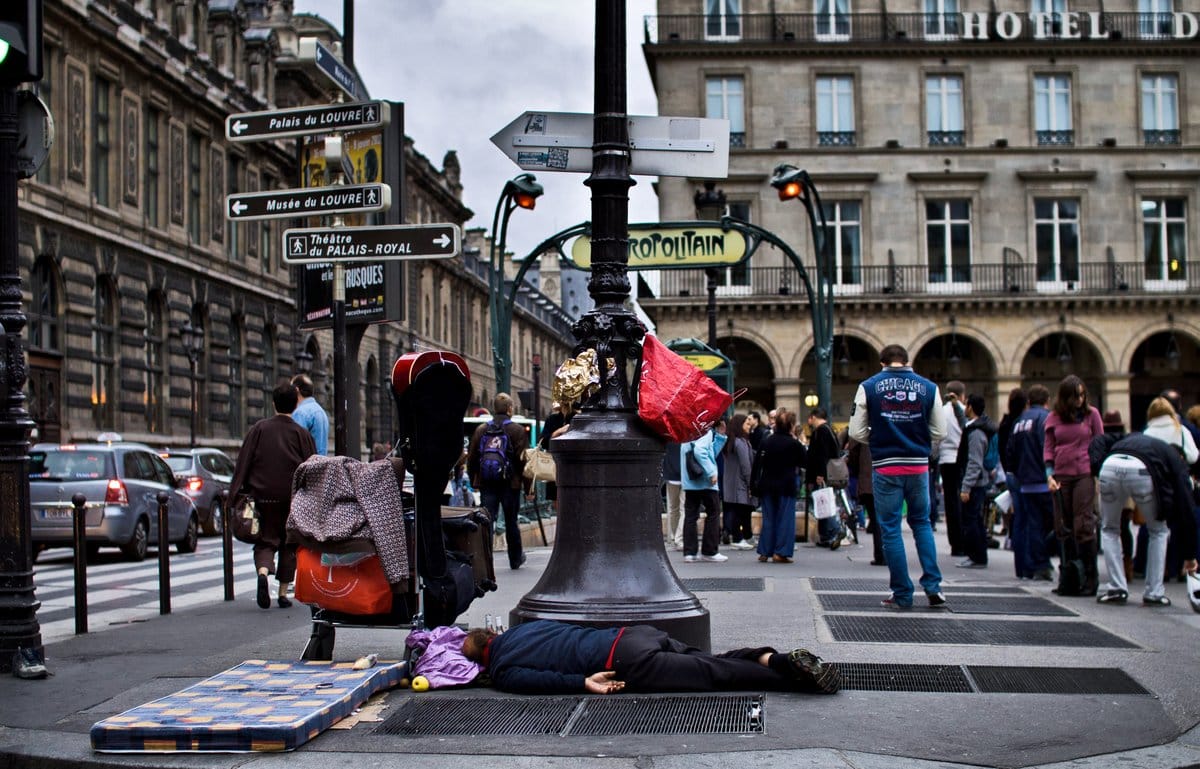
{"x": 46, "y": 723}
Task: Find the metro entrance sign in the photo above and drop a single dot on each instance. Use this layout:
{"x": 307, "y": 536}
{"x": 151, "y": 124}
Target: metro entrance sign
{"x": 662, "y": 246}
{"x": 281, "y": 204}
{"x": 364, "y": 244}
{"x": 301, "y": 121}
{"x": 662, "y": 146}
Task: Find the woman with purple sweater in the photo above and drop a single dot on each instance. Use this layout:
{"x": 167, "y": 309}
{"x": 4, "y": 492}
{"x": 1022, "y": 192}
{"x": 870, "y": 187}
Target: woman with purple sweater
{"x": 1070, "y": 428}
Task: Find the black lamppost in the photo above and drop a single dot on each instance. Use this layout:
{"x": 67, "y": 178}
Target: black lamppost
{"x": 521, "y": 191}
{"x": 792, "y": 183}
{"x": 537, "y": 387}
{"x": 304, "y": 362}
{"x": 608, "y": 567}
{"x": 192, "y": 338}
{"x": 710, "y": 206}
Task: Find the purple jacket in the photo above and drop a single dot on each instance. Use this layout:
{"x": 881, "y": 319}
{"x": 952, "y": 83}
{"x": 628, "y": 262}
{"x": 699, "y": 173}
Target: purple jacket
{"x": 1066, "y": 448}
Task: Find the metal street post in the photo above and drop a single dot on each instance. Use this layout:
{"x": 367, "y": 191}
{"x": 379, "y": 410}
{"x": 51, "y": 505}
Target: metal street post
{"x": 192, "y": 338}
{"x": 608, "y": 566}
{"x": 710, "y": 204}
{"x": 793, "y": 182}
{"x": 537, "y": 389}
{"x": 521, "y": 191}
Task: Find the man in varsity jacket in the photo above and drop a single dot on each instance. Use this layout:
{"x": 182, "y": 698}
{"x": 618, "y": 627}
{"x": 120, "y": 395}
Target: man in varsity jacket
{"x": 898, "y": 414}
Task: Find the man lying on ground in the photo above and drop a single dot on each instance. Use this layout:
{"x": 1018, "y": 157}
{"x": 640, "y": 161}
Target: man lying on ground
{"x": 549, "y": 657}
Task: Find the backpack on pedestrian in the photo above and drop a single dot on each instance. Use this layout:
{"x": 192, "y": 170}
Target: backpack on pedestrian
{"x": 495, "y": 466}
{"x": 991, "y": 457}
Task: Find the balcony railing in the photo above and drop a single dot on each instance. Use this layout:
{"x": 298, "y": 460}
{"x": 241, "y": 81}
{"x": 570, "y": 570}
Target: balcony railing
{"x": 836, "y": 138}
{"x": 913, "y": 280}
{"x": 899, "y": 27}
{"x": 1157, "y": 138}
{"x": 1056, "y": 138}
{"x": 946, "y": 138}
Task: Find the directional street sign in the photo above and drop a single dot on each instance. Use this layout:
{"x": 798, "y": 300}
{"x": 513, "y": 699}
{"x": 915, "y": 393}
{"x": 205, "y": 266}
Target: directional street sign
{"x": 662, "y": 146}
{"x": 281, "y": 204}
{"x": 301, "y": 121}
{"x": 312, "y": 49}
{"x": 363, "y": 244}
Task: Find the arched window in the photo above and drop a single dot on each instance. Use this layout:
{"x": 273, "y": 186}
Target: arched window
{"x": 237, "y": 378}
{"x": 43, "y": 309}
{"x": 104, "y": 355}
{"x": 154, "y": 397}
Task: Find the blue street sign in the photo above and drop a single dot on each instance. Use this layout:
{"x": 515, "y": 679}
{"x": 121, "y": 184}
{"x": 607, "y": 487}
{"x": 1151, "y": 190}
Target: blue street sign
{"x": 312, "y": 49}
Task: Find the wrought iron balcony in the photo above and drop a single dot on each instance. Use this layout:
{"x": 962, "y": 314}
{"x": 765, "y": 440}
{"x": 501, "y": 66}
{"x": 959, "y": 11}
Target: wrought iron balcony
{"x": 737, "y": 140}
{"x": 1056, "y": 138}
{"x": 1155, "y": 138}
{"x": 946, "y": 138}
{"x": 900, "y": 27}
{"x": 836, "y": 138}
{"x": 917, "y": 280}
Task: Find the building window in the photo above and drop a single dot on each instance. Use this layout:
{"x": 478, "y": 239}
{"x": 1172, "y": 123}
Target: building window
{"x": 725, "y": 98}
{"x": 721, "y": 20}
{"x": 1052, "y": 110}
{"x": 1156, "y": 18}
{"x": 948, "y": 240}
{"x": 156, "y": 363}
{"x": 1160, "y": 109}
{"x": 233, "y": 183}
{"x": 237, "y": 379}
{"x": 835, "y": 111}
{"x": 833, "y": 19}
{"x": 102, "y": 141}
{"x": 43, "y": 309}
{"x": 944, "y": 111}
{"x": 1056, "y": 225}
{"x": 941, "y": 19}
{"x": 153, "y": 117}
{"x": 1164, "y": 228}
{"x": 194, "y": 228}
{"x": 104, "y": 347}
{"x": 843, "y": 229}
{"x": 45, "y": 89}
{"x": 1050, "y": 10}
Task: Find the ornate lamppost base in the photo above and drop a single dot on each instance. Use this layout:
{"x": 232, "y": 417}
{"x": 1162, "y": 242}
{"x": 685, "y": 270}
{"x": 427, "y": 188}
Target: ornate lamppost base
{"x": 609, "y": 567}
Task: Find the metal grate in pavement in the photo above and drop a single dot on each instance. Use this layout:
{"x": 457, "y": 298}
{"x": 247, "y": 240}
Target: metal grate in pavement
{"x": 956, "y": 602}
{"x": 1034, "y": 680}
{"x": 696, "y": 714}
{"x": 718, "y": 584}
{"x": 577, "y": 716}
{"x": 864, "y": 585}
{"x": 433, "y": 715}
{"x": 882, "y": 677}
{"x": 944, "y": 630}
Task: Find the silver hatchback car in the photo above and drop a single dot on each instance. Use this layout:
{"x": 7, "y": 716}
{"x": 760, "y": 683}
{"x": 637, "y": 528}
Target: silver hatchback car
{"x": 121, "y": 482}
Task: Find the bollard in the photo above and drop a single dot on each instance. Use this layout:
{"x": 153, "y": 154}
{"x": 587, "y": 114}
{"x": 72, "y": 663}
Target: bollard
{"x": 226, "y": 543}
{"x": 164, "y": 565}
{"x": 79, "y": 521}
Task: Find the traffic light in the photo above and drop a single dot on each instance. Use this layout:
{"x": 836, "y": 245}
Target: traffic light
{"x": 20, "y": 41}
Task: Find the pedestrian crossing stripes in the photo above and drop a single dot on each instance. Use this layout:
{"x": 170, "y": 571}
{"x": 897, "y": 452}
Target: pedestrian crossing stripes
{"x": 121, "y": 592}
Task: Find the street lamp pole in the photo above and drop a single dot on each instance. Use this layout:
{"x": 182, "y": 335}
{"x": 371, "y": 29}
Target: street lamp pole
{"x": 792, "y": 183}
{"x": 192, "y": 338}
{"x": 608, "y": 567}
{"x": 522, "y": 191}
{"x": 537, "y": 388}
{"x": 710, "y": 205}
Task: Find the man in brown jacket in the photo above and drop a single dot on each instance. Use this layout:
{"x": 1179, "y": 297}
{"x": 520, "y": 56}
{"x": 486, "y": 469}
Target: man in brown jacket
{"x": 268, "y": 459}
{"x": 496, "y": 466}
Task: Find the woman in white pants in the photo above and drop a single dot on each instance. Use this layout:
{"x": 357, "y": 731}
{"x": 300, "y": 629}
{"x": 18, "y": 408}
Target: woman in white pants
{"x": 1153, "y": 473}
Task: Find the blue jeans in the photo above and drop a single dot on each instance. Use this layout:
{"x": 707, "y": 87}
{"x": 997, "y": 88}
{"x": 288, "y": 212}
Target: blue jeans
{"x": 1029, "y": 533}
{"x": 778, "y": 534}
{"x": 890, "y": 492}
{"x": 509, "y": 501}
{"x": 974, "y": 533}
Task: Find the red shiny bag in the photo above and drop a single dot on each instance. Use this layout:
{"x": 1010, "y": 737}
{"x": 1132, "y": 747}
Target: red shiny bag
{"x": 676, "y": 399}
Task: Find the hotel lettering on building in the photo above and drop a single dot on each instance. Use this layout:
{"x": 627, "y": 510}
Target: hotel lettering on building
{"x": 1010, "y": 189}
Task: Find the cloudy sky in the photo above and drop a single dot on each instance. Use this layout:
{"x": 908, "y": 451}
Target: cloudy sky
{"x": 466, "y": 68}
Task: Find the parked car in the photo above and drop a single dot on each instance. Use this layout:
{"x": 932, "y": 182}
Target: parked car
{"x": 203, "y": 473}
{"x": 121, "y": 483}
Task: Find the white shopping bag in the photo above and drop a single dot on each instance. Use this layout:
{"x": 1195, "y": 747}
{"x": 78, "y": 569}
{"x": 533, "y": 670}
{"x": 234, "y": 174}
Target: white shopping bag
{"x": 1193, "y": 588}
{"x": 824, "y": 503}
{"x": 1003, "y": 501}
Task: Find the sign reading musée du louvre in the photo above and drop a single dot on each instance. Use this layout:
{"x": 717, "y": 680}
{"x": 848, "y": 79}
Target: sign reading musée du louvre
{"x": 1066, "y": 25}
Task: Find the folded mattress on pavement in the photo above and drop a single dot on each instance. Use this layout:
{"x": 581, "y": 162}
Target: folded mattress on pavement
{"x": 256, "y": 706}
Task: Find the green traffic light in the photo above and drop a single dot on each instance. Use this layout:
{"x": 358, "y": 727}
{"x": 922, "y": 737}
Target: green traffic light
{"x": 4, "y": 46}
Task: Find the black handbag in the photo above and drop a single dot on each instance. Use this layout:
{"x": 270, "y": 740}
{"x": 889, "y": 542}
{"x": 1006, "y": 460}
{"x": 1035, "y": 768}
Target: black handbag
{"x": 695, "y": 470}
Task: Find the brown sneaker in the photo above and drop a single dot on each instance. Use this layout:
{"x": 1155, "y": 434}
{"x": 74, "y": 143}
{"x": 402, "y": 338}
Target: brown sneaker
{"x": 817, "y": 676}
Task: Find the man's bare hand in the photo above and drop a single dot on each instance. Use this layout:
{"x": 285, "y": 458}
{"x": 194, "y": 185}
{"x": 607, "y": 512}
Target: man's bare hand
{"x": 603, "y": 683}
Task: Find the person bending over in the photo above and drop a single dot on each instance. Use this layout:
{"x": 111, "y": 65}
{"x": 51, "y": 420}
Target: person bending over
{"x": 550, "y": 657}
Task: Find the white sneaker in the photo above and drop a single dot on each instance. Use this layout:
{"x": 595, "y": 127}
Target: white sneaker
{"x": 690, "y": 559}
{"x": 742, "y": 545}
{"x": 718, "y": 558}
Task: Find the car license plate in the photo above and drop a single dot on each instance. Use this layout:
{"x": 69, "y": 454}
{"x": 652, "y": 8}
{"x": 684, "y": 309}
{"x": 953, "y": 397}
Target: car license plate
{"x": 58, "y": 513}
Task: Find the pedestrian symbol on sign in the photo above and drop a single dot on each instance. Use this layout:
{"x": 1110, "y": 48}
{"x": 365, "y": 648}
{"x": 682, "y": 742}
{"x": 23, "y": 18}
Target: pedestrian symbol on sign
{"x": 298, "y": 246}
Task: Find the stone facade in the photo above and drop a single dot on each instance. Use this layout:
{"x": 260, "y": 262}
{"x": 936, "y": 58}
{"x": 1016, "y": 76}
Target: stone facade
{"x": 1012, "y": 236}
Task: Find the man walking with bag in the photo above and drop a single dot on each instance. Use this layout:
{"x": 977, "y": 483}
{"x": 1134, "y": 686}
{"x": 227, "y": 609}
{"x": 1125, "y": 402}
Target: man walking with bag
{"x": 898, "y": 414}
{"x": 496, "y": 466}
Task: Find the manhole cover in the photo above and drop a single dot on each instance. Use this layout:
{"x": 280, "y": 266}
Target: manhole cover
{"x": 957, "y": 602}
{"x": 943, "y": 630}
{"x": 717, "y": 584}
{"x": 879, "y": 586}
{"x": 1043, "y": 680}
{"x": 705, "y": 714}
{"x": 881, "y": 677}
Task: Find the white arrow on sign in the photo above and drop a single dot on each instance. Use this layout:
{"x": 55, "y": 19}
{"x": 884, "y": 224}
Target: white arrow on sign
{"x": 238, "y": 127}
{"x": 443, "y": 240}
{"x": 661, "y": 146}
{"x": 237, "y": 207}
